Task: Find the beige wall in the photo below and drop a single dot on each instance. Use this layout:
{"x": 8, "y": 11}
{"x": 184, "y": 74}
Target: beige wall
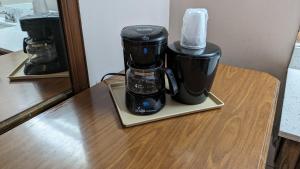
{"x": 256, "y": 34}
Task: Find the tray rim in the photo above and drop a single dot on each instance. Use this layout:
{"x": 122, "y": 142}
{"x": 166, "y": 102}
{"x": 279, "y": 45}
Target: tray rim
{"x": 12, "y": 76}
{"x": 219, "y": 104}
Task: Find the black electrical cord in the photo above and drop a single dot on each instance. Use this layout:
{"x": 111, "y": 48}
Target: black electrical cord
{"x": 112, "y": 74}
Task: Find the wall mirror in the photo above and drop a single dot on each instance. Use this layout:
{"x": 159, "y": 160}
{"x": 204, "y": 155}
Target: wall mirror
{"x": 42, "y": 58}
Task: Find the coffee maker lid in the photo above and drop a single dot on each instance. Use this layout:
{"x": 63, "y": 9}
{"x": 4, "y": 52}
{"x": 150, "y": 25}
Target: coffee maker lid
{"x": 36, "y": 18}
{"x": 37, "y": 22}
{"x": 144, "y": 34}
{"x": 210, "y": 50}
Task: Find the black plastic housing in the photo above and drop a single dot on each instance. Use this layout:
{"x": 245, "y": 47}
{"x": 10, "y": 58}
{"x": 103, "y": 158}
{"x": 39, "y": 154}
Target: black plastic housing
{"x": 144, "y": 45}
{"x": 194, "y": 71}
{"x": 45, "y": 28}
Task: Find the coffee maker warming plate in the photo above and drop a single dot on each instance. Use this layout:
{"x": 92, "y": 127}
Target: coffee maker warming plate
{"x": 171, "y": 109}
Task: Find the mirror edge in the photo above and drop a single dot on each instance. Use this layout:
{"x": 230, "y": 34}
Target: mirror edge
{"x": 71, "y": 21}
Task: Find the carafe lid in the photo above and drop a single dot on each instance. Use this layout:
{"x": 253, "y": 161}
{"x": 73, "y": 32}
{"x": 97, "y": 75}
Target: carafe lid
{"x": 144, "y": 34}
{"x": 30, "y": 41}
{"x": 210, "y": 50}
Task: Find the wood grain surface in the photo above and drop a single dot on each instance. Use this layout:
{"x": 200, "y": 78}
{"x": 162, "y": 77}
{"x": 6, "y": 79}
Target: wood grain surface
{"x": 69, "y": 11}
{"x": 289, "y": 155}
{"x": 85, "y": 132}
{"x": 16, "y": 97}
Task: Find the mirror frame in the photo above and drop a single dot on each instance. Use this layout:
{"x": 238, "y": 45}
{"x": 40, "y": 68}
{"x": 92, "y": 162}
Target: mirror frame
{"x": 70, "y": 16}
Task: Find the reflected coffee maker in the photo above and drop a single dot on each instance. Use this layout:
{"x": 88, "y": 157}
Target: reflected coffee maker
{"x": 44, "y": 44}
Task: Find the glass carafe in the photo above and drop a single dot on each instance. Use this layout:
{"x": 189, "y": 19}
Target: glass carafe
{"x": 145, "y": 89}
{"x": 150, "y": 80}
{"x": 145, "y": 81}
{"x": 41, "y": 52}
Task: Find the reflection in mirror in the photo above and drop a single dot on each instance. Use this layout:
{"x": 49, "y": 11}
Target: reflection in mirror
{"x": 33, "y": 58}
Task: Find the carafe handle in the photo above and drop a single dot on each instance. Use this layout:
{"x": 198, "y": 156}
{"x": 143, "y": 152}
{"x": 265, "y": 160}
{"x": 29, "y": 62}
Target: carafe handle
{"x": 25, "y": 45}
{"x": 173, "y": 87}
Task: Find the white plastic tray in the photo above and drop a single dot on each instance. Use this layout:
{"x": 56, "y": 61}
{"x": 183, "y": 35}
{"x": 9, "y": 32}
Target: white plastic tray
{"x": 171, "y": 109}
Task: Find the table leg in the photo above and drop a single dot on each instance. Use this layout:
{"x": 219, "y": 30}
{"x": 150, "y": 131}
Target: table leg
{"x": 289, "y": 155}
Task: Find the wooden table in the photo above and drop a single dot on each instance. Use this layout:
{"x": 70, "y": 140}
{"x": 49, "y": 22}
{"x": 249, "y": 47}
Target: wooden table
{"x": 16, "y": 97}
{"x": 85, "y": 132}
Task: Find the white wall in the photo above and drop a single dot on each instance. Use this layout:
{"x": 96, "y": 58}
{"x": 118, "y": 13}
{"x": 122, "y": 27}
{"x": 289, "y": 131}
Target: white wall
{"x": 102, "y": 22}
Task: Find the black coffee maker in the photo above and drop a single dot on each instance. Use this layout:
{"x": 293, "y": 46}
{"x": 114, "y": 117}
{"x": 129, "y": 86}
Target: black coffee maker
{"x": 144, "y": 60}
{"x": 45, "y": 44}
{"x": 193, "y": 59}
{"x": 194, "y": 71}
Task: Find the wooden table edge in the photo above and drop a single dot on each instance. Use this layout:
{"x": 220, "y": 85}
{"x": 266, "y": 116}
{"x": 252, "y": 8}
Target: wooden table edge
{"x": 268, "y": 137}
{"x": 33, "y": 111}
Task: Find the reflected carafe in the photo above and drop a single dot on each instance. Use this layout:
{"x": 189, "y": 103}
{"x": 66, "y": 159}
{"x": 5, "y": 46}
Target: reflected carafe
{"x": 194, "y": 71}
{"x": 41, "y": 52}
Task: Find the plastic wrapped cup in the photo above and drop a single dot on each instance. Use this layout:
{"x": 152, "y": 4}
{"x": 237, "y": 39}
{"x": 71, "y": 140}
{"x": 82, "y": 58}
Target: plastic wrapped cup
{"x": 194, "y": 28}
{"x": 40, "y": 7}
